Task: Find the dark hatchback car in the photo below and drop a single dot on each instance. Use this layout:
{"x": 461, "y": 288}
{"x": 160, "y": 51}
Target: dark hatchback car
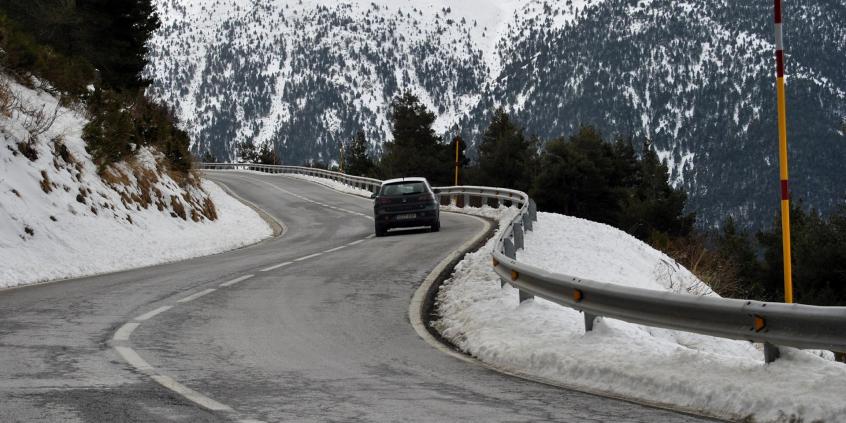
{"x": 405, "y": 203}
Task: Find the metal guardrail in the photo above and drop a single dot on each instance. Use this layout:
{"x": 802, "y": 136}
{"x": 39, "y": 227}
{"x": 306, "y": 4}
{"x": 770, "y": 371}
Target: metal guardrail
{"x": 499, "y": 195}
{"x": 794, "y": 325}
{"x": 369, "y": 184}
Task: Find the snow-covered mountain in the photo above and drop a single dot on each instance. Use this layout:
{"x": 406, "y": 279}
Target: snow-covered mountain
{"x": 696, "y": 77}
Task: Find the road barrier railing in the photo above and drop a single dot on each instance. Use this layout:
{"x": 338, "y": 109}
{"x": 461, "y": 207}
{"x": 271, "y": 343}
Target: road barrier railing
{"x": 792, "y": 325}
{"x": 368, "y": 184}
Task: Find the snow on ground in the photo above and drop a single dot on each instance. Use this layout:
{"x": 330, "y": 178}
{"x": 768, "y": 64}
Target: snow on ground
{"x": 334, "y": 185}
{"x": 59, "y": 219}
{"x": 716, "y": 376}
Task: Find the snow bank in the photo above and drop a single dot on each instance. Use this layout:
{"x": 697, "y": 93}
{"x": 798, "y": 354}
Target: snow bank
{"x": 59, "y": 219}
{"x": 701, "y": 373}
{"x": 337, "y": 186}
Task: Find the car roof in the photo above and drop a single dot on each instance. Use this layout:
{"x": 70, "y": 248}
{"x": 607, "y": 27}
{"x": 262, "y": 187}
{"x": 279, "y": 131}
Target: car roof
{"x": 412, "y": 179}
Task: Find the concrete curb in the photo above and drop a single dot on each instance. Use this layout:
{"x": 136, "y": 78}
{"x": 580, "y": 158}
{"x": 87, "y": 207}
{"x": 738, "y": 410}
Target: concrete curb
{"x": 278, "y": 227}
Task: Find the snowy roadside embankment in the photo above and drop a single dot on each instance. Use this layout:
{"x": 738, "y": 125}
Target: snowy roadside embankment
{"x": 329, "y": 183}
{"x": 337, "y": 186}
{"x": 541, "y": 339}
{"x": 61, "y": 218}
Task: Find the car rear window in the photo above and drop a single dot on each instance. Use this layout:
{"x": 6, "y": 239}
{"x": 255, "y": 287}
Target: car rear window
{"x": 404, "y": 188}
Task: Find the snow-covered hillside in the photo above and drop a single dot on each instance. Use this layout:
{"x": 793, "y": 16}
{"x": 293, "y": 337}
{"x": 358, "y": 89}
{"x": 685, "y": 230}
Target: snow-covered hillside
{"x": 716, "y": 376}
{"x": 60, "y": 219}
{"x": 696, "y": 77}
{"x": 248, "y": 71}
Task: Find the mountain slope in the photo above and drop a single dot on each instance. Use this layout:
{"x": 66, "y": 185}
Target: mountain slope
{"x": 695, "y": 77}
{"x": 60, "y": 217}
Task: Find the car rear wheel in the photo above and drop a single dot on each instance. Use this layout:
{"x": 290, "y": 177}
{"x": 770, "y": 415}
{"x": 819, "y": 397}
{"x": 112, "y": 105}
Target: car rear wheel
{"x": 381, "y": 230}
{"x": 436, "y": 226}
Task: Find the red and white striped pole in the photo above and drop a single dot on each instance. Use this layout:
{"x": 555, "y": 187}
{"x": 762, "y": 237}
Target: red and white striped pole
{"x": 782, "y": 153}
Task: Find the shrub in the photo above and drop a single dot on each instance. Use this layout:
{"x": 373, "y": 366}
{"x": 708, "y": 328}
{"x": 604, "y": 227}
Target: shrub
{"x": 24, "y": 58}
{"x": 119, "y": 122}
{"x": 111, "y": 130}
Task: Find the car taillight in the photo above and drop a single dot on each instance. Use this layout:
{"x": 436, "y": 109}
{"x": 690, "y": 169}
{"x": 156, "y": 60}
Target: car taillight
{"x": 423, "y": 198}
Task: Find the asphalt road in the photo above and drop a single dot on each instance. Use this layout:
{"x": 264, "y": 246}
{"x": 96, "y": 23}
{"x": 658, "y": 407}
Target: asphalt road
{"x": 305, "y": 338}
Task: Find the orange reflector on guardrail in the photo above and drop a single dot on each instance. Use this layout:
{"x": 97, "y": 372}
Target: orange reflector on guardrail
{"x": 577, "y": 295}
{"x": 495, "y": 263}
{"x": 760, "y": 323}
{"x": 514, "y": 275}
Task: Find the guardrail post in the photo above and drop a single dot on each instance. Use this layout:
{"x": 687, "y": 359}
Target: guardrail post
{"x": 509, "y": 252}
{"x": 525, "y": 296}
{"x": 589, "y": 319}
{"x": 527, "y": 222}
{"x": 533, "y": 210}
{"x": 518, "y": 236}
{"x": 466, "y": 200}
{"x": 771, "y": 353}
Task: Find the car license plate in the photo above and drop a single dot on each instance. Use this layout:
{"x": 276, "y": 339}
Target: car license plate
{"x": 406, "y": 216}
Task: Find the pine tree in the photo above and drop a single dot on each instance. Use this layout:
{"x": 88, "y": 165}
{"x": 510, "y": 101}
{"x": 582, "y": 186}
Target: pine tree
{"x": 267, "y": 155}
{"x": 818, "y": 253}
{"x": 111, "y": 35}
{"x": 734, "y": 248}
{"x": 247, "y": 152}
{"x": 357, "y": 161}
{"x": 506, "y": 157}
{"x": 415, "y": 150}
{"x": 656, "y": 205}
{"x": 576, "y": 178}
{"x": 208, "y": 157}
{"x": 116, "y": 39}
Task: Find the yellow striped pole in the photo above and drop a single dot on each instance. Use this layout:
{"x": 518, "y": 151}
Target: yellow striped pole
{"x": 782, "y": 154}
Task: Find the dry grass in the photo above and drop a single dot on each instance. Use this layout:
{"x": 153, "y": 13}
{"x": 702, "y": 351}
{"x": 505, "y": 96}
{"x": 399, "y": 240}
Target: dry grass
{"x": 178, "y": 207}
{"x": 27, "y": 148}
{"x": 691, "y": 252}
{"x": 146, "y": 192}
{"x": 8, "y": 100}
{"x": 113, "y": 177}
{"x": 208, "y": 209}
{"x": 187, "y": 179}
{"x": 82, "y": 196}
{"x": 46, "y": 186}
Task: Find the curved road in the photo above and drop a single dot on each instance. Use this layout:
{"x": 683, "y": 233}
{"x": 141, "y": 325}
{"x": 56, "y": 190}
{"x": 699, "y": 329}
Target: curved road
{"x": 271, "y": 332}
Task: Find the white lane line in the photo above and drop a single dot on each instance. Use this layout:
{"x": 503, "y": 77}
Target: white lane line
{"x": 130, "y": 356}
{"x": 371, "y": 236}
{"x": 154, "y": 313}
{"x": 355, "y": 242}
{"x": 197, "y": 295}
{"x": 335, "y": 249}
{"x": 308, "y": 257}
{"x": 277, "y": 266}
{"x": 191, "y": 394}
{"x": 234, "y": 281}
{"x": 123, "y": 333}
